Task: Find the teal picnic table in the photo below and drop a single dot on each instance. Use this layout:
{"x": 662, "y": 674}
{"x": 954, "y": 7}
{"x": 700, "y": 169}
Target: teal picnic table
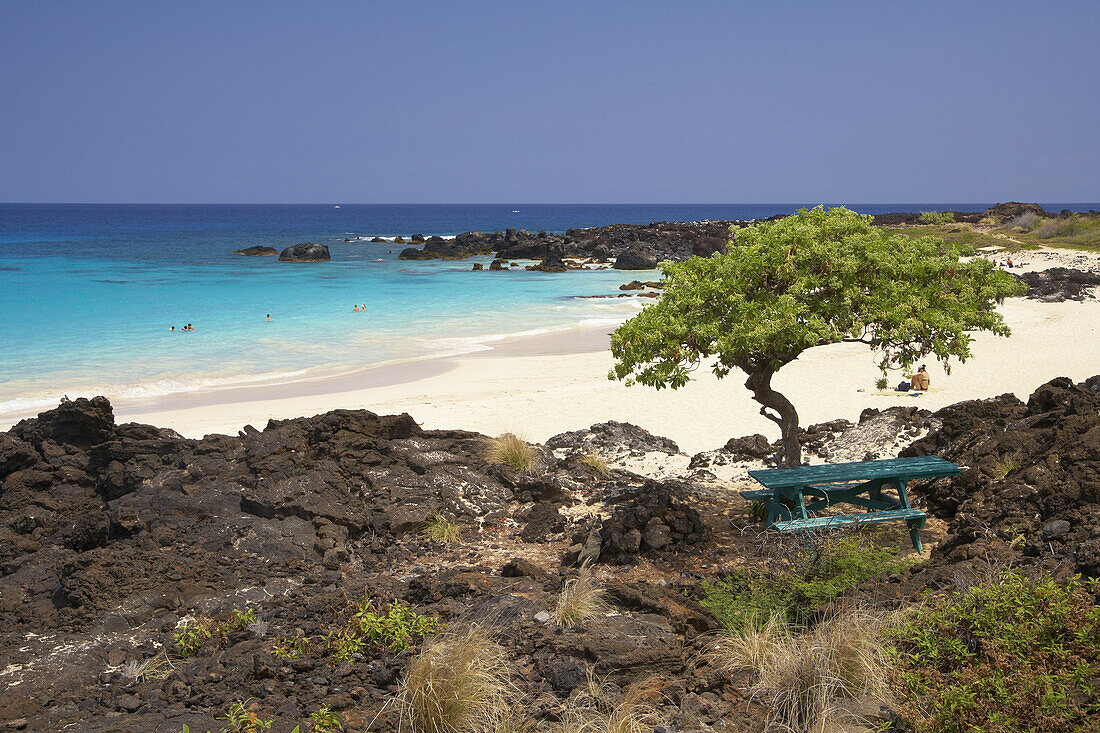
{"x": 794, "y": 495}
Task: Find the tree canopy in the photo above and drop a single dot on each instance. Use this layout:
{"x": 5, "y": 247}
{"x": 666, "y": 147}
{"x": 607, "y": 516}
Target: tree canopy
{"x": 818, "y": 277}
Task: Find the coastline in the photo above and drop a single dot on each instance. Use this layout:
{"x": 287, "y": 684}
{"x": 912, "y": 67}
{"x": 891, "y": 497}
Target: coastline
{"x": 541, "y": 386}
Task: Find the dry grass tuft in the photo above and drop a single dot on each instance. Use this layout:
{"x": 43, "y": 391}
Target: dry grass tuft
{"x": 632, "y": 712}
{"x": 512, "y": 451}
{"x": 747, "y": 649}
{"x": 459, "y": 683}
{"x": 581, "y": 599}
{"x": 442, "y": 528}
{"x": 594, "y": 460}
{"x": 801, "y": 679}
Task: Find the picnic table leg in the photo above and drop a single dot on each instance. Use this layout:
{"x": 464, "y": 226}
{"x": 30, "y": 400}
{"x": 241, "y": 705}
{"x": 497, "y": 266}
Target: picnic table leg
{"x": 915, "y": 526}
{"x": 903, "y": 495}
{"x": 802, "y": 505}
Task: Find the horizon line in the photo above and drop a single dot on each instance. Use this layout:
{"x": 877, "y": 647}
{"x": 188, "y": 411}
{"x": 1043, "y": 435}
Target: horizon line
{"x": 506, "y": 203}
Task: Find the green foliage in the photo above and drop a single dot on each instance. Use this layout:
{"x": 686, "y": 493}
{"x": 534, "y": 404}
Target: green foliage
{"x": 816, "y": 278}
{"x": 1009, "y": 656}
{"x": 289, "y": 647}
{"x": 190, "y": 637}
{"x": 442, "y": 528}
{"x": 937, "y": 217}
{"x": 239, "y": 719}
{"x": 396, "y": 630}
{"x": 817, "y": 575}
{"x": 237, "y": 621}
{"x": 324, "y": 720}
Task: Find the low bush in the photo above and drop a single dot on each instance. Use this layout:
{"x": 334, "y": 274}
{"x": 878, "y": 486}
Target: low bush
{"x": 1024, "y": 222}
{"x": 817, "y": 574}
{"x": 1051, "y": 228}
{"x": 512, "y": 451}
{"x": 1012, "y": 655}
{"x": 937, "y": 217}
{"x": 396, "y": 630}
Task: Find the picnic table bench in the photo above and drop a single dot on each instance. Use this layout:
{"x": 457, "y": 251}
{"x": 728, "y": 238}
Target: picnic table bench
{"x": 793, "y": 495}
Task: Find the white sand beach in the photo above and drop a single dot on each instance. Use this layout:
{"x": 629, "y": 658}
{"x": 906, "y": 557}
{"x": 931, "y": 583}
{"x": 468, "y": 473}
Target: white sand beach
{"x": 540, "y": 386}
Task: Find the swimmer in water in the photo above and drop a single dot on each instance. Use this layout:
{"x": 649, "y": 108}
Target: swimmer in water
{"x": 356, "y": 308}
{"x": 173, "y": 328}
{"x": 269, "y": 316}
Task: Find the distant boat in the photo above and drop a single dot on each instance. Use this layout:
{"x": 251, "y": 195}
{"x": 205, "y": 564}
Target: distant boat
{"x": 515, "y": 211}
{"x": 336, "y": 207}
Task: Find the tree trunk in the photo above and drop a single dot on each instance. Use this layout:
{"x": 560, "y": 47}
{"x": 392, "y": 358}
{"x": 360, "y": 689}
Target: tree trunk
{"x": 785, "y": 416}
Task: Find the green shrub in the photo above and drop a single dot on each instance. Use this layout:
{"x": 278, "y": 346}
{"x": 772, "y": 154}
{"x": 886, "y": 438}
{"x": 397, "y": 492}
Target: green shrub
{"x": 325, "y": 720}
{"x": 1051, "y": 228}
{"x": 395, "y": 630}
{"x": 191, "y": 635}
{"x": 937, "y": 217}
{"x": 289, "y": 647}
{"x": 1014, "y": 654}
{"x": 817, "y": 575}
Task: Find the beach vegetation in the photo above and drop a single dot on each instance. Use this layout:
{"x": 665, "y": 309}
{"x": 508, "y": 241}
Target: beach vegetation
{"x": 442, "y": 527}
{"x": 581, "y": 599}
{"x": 595, "y": 708}
{"x": 814, "y": 574}
{"x": 460, "y": 681}
{"x": 937, "y": 217}
{"x": 1014, "y": 653}
{"x": 289, "y": 647}
{"x": 395, "y": 630}
{"x": 240, "y": 719}
{"x": 325, "y": 720}
{"x": 512, "y": 451}
{"x": 1025, "y": 222}
{"x": 818, "y": 277}
{"x": 801, "y": 678}
{"x": 190, "y": 636}
{"x": 595, "y": 461}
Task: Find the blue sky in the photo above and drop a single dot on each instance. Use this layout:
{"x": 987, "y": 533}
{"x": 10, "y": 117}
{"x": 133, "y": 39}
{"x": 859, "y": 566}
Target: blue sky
{"x": 515, "y": 101}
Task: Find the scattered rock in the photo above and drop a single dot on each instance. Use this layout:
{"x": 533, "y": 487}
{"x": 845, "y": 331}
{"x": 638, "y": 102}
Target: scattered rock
{"x": 256, "y": 251}
{"x": 305, "y": 252}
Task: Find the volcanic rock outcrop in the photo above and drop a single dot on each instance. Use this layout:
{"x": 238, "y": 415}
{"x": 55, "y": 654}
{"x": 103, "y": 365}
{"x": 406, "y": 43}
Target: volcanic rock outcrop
{"x": 305, "y": 252}
{"x": 257, "y": 251}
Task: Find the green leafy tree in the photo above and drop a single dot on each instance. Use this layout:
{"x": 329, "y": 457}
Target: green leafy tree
{"x": 818, "y": 277}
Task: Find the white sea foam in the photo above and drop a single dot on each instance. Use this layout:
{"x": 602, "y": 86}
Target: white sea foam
{"x": 37, "y": 400}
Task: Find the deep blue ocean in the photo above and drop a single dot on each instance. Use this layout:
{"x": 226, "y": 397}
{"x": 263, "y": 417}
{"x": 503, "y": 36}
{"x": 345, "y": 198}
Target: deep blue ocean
{"x": 88, "y": 292}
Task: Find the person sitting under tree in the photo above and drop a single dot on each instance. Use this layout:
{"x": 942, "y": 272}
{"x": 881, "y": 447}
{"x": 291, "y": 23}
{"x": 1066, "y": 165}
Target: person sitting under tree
{"x": 920, "y": 381}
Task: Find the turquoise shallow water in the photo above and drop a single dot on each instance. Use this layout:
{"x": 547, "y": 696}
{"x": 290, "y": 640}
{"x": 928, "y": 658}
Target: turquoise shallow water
{"x": 88, "y": 293}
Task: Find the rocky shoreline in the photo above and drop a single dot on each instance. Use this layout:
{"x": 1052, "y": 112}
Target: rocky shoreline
{"x": 642, "y": 246}
{"x": 114, "y": 537}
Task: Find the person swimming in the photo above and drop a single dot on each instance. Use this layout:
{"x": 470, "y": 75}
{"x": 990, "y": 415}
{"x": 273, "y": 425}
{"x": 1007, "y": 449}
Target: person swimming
{"x": 269, "y": 316}
{"x": 173, "y": 328}
{"x": 188, "y": 327}
{"x": 356, "y": 308}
